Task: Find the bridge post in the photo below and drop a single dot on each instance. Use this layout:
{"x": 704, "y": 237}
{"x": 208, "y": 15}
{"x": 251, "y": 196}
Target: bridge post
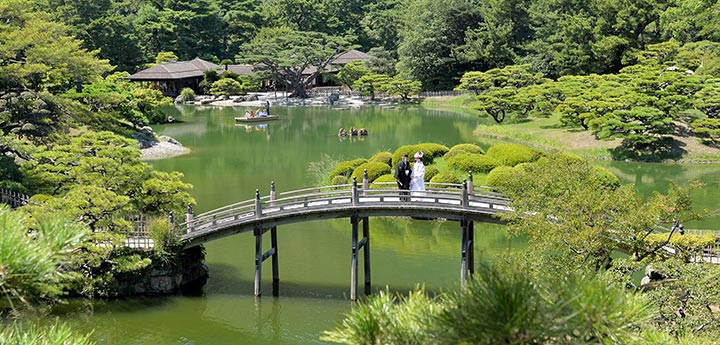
{"x": 470, "y": 184}
{"x": 354, "y": 192}
{"x": 471, "y": 247}
{"x": 272, "y": 191}
{"x": 189, "y": 218}
{"x": 465, "y": 202}
{"x": 366, "y": 253}
{"x": 275, "y": 263}
{"x": 354, "y": 261}
{"x": 258, "y": 259}
{"x": 258, "y": 205}
{"x": 273, "y": 244}
{"x": 464, "y": 253}
{"x": 365, "y": 184}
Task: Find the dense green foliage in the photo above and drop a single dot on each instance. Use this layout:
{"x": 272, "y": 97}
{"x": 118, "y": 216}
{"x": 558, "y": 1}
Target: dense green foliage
{"x": 430, "y": 152}
{"x": 507, "y": 302}
{"x": 35, "y": 267}
{"x": 31, "y": 333}
{"x": 473, "y": 162}
{"x": 382, "y": 157}
{"x": 374, "y": 170}
{"x": 64, "y": 128}
{"x": 513, "y": 154}
{"x": 346, "y": 168}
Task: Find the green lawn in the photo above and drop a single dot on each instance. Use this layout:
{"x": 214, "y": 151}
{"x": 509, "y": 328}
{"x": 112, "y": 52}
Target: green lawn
{"x": 546, "y": 133}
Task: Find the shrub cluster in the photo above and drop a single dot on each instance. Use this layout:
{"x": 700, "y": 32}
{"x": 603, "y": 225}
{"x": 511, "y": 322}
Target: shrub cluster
{"x": 430, "y": 172}
{"x": 383, "y": 178}
{"x": 346, "y": 168}
{"x": 499, "y": 176}
{"x": 513, "y": 154}
{"x": 374, "y": 170}
{"x": 382, "y": 157}
{"x": 463, "y": 148}
{"x": 473, "y": 162}
{"x": 446, "y": 177}
{"x": 430, "y": 152}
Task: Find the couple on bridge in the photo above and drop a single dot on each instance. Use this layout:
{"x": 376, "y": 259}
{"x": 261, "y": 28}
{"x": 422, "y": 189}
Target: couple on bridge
{"x": 411, "y": 179}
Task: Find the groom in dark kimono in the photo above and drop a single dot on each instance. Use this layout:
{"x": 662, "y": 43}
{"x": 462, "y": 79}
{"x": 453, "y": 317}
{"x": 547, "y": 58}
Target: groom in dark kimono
{"x": 403, "y": 174}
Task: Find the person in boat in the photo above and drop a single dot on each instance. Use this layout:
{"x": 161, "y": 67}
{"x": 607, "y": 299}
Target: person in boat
{"x": 267, "y": 107}
{"x": 342, "y": 132}
{"x": 248, "y": 114}
{"x": 362, "y": 131}
{"x": 251, "y": 114}
{"x": 353, "y": 131}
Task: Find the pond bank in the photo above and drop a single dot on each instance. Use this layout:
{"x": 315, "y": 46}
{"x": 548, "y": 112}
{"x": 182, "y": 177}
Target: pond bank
{"x": 548, "y": 134}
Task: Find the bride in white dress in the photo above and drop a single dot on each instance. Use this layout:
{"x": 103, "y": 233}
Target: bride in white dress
{"x": 417, "y": 183}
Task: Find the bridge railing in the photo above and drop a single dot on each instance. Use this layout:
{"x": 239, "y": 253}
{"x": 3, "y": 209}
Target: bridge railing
{"x": 441, "y": 194}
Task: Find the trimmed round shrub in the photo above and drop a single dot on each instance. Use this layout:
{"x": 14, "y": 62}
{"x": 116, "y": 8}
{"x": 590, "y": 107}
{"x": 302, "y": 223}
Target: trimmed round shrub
{"x": 374, "y": 170}
{"x": 383, "y": 178}
{"x": 446, "y": 177}
{"x": 338, "y": 180}
{"x": 382, "y": 157}
{"x": 606, "y": 177}
{"x": 430, "y": 172}
{"x": 473, "y": 162}
{"x": 346, "y": 168}
{"x": 570, "y": 156}
{"x": 499, "y": 176}
{"x": 430, "y": 152}
{"x": 463, "y": 148}
{"x": 513, "y": 154}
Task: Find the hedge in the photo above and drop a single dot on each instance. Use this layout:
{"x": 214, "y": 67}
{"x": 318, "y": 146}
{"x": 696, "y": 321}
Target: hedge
{"x": 446, "y": 177}
{"x": 346, "y": 168}
{"x": 500, "y": 175}
{"x": 382, "y": 157}
{"x": 383, "y": 178}
{"x": 606, "y": 177}
{"x": 463, "y": 148}
{"x": 430, "y": 172}
{"x": 513, "y": 154}
{"x": 430, "y": 152}
{"x": 473, "y": 162}
{"x": 338, "y": 180}
{"x": 374, "y": 170}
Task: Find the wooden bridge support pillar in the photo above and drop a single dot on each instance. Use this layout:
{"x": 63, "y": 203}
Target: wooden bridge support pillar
{"x": 356, "y": 246}
{"x": 261, "y": 256}
{"x": 467, "y": 261}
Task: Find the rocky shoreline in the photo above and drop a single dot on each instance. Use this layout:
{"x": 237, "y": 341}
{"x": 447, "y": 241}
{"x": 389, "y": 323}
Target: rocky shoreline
{"x": 153, "y": 146}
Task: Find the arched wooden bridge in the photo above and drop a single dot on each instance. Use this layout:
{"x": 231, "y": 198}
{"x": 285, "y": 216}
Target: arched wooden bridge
{"x": 459, "y": 202}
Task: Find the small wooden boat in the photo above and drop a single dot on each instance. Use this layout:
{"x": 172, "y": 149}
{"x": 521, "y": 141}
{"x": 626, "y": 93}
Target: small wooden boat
{"x": 243, "y": 119}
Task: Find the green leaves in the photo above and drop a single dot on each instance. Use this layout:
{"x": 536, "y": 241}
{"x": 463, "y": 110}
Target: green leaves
{"x": 286, "y": 54}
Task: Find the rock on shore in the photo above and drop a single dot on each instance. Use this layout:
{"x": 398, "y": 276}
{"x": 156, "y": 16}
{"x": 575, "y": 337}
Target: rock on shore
{"x": 158, "y": 147}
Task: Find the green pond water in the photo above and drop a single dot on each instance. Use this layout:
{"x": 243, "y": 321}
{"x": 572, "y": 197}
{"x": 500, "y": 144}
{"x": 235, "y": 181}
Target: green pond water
{"x": 229, "y": 162}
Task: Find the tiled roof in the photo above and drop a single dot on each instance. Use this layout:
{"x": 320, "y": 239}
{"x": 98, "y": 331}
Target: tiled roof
{"x": 195, "y": 68}
{"x": 175, "y": 70}
{"x": 351, "y": 55}
{"x": 240, "y": 69}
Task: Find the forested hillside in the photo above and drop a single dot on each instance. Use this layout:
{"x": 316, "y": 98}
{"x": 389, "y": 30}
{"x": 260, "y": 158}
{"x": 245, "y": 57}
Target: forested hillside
{"x": 428, "y": 40}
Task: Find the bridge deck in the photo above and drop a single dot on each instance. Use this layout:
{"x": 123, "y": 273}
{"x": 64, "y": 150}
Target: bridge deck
{"x": 448, "y": 201}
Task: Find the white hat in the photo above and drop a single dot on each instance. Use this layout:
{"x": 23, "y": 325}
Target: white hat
{"x": 418, "y": 155}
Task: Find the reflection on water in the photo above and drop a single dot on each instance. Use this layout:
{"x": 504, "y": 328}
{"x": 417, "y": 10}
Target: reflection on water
{"x": 229, "y": 162}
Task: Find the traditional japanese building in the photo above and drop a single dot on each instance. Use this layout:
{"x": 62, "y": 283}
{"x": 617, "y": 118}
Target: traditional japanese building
{"x": 172, "y": 77}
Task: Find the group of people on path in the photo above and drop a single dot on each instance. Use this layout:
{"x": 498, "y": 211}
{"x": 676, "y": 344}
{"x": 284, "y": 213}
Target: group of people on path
{"x": 411, "y": 178}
